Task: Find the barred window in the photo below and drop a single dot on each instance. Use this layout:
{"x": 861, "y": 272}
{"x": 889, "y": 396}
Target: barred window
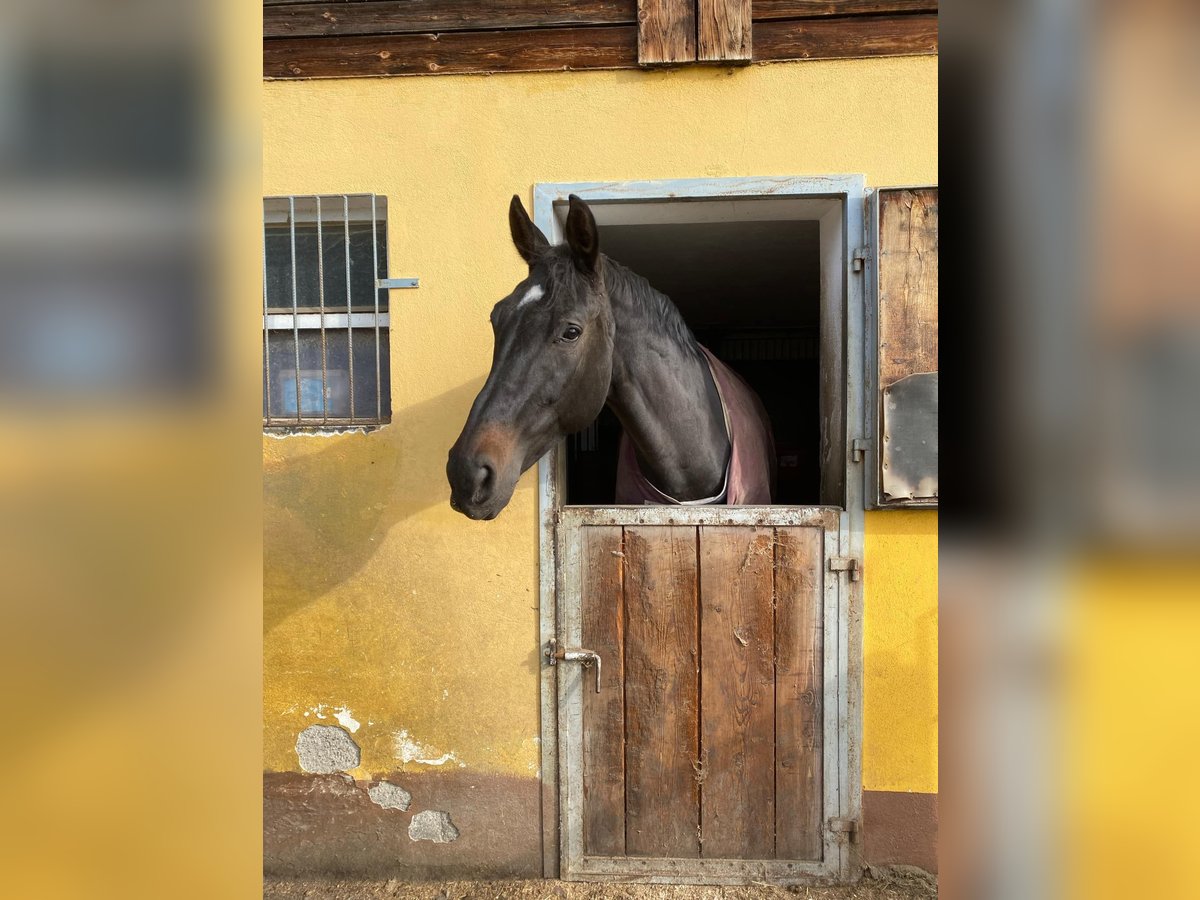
{"x": 325, "y": 315}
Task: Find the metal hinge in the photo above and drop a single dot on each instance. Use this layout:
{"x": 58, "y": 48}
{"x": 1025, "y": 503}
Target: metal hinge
{"x": 844, "y": 826}
{"x": 859, "y": 446}
{"x": 859, "y": 257}
{"x": 395, "y": 284}
{"x": 846, "y": 564}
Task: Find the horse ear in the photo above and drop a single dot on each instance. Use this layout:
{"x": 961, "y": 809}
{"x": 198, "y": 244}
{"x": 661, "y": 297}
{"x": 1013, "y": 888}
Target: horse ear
{"x": 527, "y": 237}
{"x": 582, "y": 235}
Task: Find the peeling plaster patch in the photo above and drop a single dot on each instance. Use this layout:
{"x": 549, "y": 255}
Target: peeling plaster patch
{"x": 432, "y": 825}
{"x": 347, "y": 721}
{"x": 323, "y": 432}
{"x": 326, "y": 749}
{"x": 389, "y": 796}
{"x": 409, "y": 750}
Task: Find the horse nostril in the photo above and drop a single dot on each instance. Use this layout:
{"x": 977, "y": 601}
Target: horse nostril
{"x": 485, "y": 477}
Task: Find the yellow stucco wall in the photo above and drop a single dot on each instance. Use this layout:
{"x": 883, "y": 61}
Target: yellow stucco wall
{"x": 900, "y": 651}
{"x": 380, "y": 601}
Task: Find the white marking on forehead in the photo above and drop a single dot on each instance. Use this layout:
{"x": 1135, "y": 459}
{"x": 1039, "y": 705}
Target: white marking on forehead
{"x": 534, "y": 293}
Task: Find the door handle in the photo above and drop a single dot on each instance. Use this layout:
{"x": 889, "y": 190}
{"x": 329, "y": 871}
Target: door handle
{"x": 573, "y": 654}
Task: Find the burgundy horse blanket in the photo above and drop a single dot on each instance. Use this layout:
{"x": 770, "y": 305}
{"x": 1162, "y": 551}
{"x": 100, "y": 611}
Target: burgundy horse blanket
{"x": 749, "y": 477}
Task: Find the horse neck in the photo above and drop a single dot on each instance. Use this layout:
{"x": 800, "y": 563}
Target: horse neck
{"x": 663, "y": 392}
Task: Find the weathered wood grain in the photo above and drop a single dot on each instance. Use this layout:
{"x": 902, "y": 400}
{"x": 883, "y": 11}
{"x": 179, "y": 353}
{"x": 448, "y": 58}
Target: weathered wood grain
{"x": 908, "y": 283}
{"x": 835, "y": 38}
{"x": 662, "y": 797}
{"x": 338, "y": 17}
{"x": 666, "y": 32}
{"x": 586, "y": 47}
{"x": 723, "y": 31}
{"x": 610, "y": 47}
{"x": 602, "y": 630}
{"x": 799, "y": 9}
{"x": 799, "y": 721}
{"x": 737, "y": 690}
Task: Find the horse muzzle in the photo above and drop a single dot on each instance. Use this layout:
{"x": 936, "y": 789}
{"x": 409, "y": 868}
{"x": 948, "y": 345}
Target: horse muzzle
{"x": 480, "y": 483}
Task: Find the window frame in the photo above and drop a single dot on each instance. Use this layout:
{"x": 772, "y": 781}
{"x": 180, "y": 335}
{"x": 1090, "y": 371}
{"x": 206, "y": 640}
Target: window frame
{"x": 350, "y": 318}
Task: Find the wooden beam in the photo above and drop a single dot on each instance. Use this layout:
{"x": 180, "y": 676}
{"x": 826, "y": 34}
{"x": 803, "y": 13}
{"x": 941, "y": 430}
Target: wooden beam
{"x": 591, "y": 47}
{"x": 613, "y": 47}
{"x": 844, "y": 38}
{"x": 666, "y": 32}
{"x": 802, "y": 9}
{"x": 723, "y": 31}
{"x": 338, "y": 17}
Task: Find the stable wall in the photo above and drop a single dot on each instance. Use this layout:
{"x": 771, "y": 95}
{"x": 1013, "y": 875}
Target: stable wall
{"x": 416, "y": 628}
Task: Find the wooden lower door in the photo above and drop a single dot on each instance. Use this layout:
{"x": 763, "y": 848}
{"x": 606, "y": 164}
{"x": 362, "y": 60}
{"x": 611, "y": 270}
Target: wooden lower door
{"x": 710, "y": 752}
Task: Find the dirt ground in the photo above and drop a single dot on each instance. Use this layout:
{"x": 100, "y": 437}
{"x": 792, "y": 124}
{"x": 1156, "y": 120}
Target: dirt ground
{"x": 899, "y": 883}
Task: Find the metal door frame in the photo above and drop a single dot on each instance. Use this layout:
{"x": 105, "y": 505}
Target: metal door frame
{"x": 556, "y": 846}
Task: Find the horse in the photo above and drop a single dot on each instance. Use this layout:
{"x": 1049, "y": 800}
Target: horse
{"x": 581, "y": 331}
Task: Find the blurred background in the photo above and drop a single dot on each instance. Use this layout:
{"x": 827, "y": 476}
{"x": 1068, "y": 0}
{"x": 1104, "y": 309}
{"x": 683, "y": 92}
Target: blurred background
{"x": 130, "y": 382}
{"x": 1070, "y": 595}
{"x": 129, "y": 448}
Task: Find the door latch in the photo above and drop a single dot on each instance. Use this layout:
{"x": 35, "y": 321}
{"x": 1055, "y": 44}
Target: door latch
{"x": 554, "y": 653}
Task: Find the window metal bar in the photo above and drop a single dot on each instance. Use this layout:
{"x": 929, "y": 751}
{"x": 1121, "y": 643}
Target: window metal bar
{"x": 321, "y": 294}
{"x": 375, "y": 292}
{"x": 312, "y": 321}
{"x": 266, "y": 333}
{"x": 295, "y": 303}
{"x": 349, "y": 302}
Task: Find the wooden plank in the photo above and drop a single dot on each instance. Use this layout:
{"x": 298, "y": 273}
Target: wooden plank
{"x": 737, "y": 686}
{"x": 908, "y": 283}
{"x": 311, "y": 19}
{"x": 609, "y": 47}
{"x": 603, "y": 615}
{"x": 765, "y": 10}
{"x": 799, "y": 684}
{"x": 666, "y": 32}
{"x": 836, "y": 38}
{"x": 662, "y": 796}
{"x": 723, "y": 30}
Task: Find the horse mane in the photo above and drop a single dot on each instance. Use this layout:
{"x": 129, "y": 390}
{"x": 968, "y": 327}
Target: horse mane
{"x": 658, "y": 307}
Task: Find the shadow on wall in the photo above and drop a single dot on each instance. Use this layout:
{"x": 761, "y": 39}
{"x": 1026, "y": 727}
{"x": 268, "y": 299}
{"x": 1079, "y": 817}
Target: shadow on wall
{"x": 326, "y": 512}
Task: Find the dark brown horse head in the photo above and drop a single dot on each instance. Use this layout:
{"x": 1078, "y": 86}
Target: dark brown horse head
{"x": 551, "y": 365}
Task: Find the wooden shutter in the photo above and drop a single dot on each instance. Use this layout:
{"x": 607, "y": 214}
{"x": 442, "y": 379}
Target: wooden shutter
{"x": 903, "y": 469}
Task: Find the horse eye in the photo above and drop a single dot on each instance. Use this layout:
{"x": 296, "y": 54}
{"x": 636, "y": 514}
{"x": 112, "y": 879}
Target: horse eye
{"x": 572, "y": 333}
